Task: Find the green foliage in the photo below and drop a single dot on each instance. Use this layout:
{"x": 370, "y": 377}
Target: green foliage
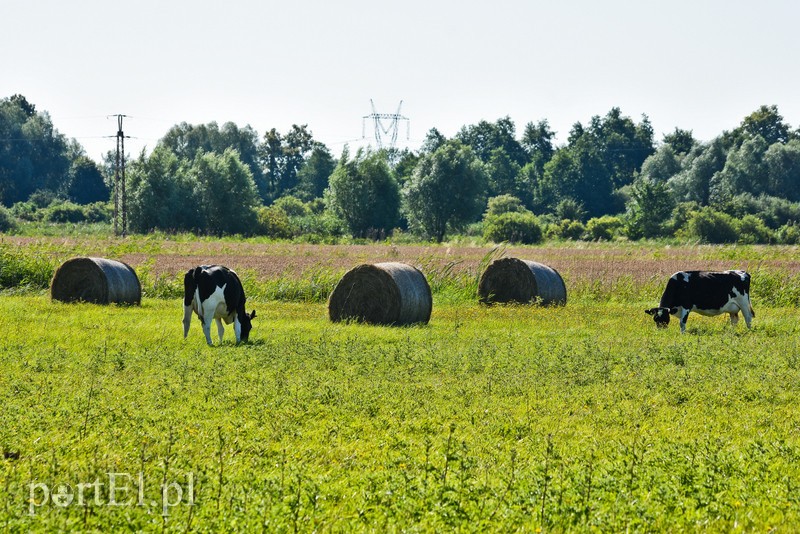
{"x": 273, "y": 222}
{"x": 364, "y": 194}
{"x": 569, "y": 208}
{"x": 21, "y": 268}
{"x": 752, "y": 230}
{"x": 313, "y": 175}
{"x": 33, "y": 154}
{"x": 7, "y": 221}
{"x": 86, "y": 184}
{"x": 161, "y": 194}
{"x": 226, "y": 193}
{"x": 649, "y": 210}
{"x": 292, "y": 206}
{"x": 503, "y": 204}
{"x": 514, "y": 227}
{"x": 789, "y": 234}
{"x": 64, "y": 212}
{"x": 603, "y": 228}
{"x": 188, "y": 141}
{"x": 566, "y": 229}
{"x": 446, "y": 192}
{"x": 711, "y": 226}
{"x": 98, "y": 212}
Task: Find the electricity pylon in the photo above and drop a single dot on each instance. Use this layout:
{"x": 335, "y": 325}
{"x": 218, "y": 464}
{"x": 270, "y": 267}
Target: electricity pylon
{"x": 382, "y": 129}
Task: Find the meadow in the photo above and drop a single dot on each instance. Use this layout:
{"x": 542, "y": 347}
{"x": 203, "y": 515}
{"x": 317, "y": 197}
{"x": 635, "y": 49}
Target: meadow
{"x": 504, "y": 418}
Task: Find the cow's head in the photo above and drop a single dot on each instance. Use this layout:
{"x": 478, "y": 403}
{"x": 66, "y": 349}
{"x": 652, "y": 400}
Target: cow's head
{"x": 247, "y": 324}
{"x": 661, "y": 315}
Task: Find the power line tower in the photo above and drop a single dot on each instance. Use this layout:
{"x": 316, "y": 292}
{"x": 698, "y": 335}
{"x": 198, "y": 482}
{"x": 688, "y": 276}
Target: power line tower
{"x": 120, "y": 197}
{"x": 382, "y": 129}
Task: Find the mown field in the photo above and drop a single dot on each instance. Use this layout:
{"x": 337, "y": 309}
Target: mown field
{"x": 508, "y": 418}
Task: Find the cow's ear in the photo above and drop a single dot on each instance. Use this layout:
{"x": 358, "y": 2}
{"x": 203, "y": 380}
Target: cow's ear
{"x": 651, "y": 311}
{"x": 253, "y": 314}
{"x": 673, "y": 311}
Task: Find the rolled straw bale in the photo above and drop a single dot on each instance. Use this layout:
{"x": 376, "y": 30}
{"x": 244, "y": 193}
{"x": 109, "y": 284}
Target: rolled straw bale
{"x": 389, "y": 293}
{"x": 96, "y": 280}
{"x": 523, "y": 281}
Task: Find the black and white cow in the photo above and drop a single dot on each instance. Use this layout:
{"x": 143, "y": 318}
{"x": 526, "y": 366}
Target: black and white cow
{"x": 215, "y": 292}
{"x": 707, "y": 293}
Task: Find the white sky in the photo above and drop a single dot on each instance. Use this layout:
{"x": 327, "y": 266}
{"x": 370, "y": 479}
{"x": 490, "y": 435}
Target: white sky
{"x": 701, "y": 65}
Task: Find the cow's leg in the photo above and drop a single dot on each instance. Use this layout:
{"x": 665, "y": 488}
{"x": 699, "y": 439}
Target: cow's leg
{"x": 220, "y": 329}
{"x": 208, "y": 316}
{"x": 734, "y": 319}
{"x": 237, "y": 328}
{"x": 187, "y": 319}
{"x": 684, "y": 315}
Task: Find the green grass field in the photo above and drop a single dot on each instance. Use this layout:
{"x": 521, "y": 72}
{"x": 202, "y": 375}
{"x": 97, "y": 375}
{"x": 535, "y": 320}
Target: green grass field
{"x": 501, "y": 419}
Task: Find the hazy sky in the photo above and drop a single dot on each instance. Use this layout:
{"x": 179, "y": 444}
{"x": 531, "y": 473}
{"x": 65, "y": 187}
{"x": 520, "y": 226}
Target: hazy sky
{"x": 693, "y": 64}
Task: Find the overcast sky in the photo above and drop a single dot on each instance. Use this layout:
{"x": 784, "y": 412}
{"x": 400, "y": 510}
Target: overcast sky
{"x": 693, "y": 64}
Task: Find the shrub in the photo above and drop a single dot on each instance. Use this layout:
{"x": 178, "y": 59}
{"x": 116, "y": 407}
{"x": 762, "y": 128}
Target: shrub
{"x": 292, "y": 206}
{"x": 513, "y": 227}
{"x": 605, "y": 227}
{"x": 570, "y": 209}
{"x": 274, "y": 222}
{"x": 753, "y": 230}
{"x": 64, "y": 212}
{"x": 789, "y": 234}
{"x": 712, "y": 226}
{"x": 567, "y": 229}
{"x": 6, "y": 220}
{"x": 98, "y": 212}
{"x": 27, "y": 211}
{"x": 503, "y": 204}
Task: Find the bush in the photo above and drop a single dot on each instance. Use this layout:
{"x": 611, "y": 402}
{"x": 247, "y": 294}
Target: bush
{"x": 513, "y": 227}
{"x": 567, "y": 229}
{"x": 570, "y": 209}
{"x": 274, "y": 222}
{"x": 712, "y": 226}
{"x": 98, "y": 212}
{"x": 752, "y": 230}
{"x": 27, "y": 211}
{"x": 503, "y": 204}
{"x": 789, "y": 234}
{"x": 6, "y": 220}
{"x": 64, "y": 212}
{"x": 605, "y": 227}
{"x": 292, "y": 206}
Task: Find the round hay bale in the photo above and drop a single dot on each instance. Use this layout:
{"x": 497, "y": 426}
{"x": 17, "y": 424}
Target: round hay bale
{"x": 96, "y": 280}
{"x": 389, "y": 293}
{"x": 523, "y": 281}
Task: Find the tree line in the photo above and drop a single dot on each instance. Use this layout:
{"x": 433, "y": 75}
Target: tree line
{"x": 610, "y": 178}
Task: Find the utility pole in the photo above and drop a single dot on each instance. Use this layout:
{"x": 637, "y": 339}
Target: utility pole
{"x": 120, "y": 197}
{"x": 381, "y": 129}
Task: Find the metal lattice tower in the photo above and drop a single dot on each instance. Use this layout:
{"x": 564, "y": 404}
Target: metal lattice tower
{"x": 120, "y": 204}
{"x": 382, "y": 129}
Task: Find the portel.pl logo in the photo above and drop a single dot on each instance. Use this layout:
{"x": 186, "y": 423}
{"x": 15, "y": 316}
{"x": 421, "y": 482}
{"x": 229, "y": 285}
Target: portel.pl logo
{"x": 117, "y": 489}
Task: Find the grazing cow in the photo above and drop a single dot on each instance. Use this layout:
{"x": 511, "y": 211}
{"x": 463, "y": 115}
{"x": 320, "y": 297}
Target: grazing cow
{"x": 707, "y": 293}
{"x": 215, "y": 292}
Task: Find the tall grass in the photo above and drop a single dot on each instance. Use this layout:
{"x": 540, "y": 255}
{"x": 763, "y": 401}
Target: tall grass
{"x": 31, "y": 268}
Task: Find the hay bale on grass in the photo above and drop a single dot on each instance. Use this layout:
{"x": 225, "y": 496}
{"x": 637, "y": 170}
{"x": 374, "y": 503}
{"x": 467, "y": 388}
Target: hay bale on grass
{"x": 389, "y": 293}
{"x": 523, "y": 281}
{"x": 96, "y": 280}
